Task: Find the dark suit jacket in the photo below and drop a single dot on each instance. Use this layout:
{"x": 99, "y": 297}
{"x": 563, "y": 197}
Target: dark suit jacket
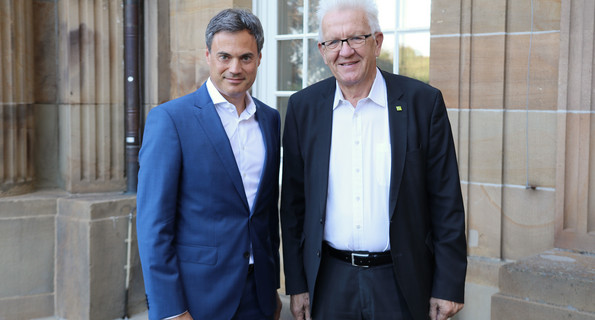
{"x": 427, "y": 232}
{"x": 194, "y": 223}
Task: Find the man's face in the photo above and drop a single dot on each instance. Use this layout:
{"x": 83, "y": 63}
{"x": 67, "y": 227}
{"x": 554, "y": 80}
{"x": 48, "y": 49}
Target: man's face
{"x": 233, "y": 61}
{"x": 350, "y": 66}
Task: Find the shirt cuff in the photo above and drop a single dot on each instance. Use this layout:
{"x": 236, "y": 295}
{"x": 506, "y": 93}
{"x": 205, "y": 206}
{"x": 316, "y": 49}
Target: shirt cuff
{"x": 175, "y": 315}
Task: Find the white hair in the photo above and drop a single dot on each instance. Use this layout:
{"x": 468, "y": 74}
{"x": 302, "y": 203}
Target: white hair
{"x": 369, "y": 7}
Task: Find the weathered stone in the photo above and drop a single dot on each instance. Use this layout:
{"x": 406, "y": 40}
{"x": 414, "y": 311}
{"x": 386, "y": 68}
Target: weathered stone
{"x": 553, "y": 285}
{"x": 92, "y": 231}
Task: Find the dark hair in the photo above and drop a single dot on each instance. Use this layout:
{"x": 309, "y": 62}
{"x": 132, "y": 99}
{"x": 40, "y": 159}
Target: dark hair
{"x": 235, "y": 20}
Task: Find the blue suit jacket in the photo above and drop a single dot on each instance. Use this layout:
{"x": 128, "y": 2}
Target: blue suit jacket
{"x": 194, "y": 224}
{"x": 427, "y": 220}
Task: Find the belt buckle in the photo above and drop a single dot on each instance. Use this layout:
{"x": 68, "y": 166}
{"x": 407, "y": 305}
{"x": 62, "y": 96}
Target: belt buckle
{"x": 361, "y": 255}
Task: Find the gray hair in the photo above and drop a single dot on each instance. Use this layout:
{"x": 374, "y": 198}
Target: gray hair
{"x": 235, "y": 20}
{"x": 369, "y": 7}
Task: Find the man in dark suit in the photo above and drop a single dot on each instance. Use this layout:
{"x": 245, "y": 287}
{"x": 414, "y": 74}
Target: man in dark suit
{"x": 372, "y": 215}
{"x": 208, "y": 228}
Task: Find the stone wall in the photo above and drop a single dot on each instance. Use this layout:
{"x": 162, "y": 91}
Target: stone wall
{"x": 519, "y": 98}
{"x": 64, "y": 216}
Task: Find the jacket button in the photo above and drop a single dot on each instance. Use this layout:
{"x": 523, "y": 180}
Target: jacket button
{"x": 246, "y": 254}
{"x": 320, "y": 220}
{"x": 318, "y": 253}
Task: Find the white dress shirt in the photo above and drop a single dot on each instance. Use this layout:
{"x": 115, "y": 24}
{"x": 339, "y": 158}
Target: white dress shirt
{"x": 357, "y": 217}
{"x": 245, "y": 138}
{"x": 246, "y": 141}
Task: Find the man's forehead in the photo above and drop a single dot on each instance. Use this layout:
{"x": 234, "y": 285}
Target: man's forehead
{"x": 345, "y": 21}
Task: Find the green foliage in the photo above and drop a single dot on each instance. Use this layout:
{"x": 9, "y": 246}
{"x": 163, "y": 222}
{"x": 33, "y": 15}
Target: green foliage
{"x": 411, "y": 64}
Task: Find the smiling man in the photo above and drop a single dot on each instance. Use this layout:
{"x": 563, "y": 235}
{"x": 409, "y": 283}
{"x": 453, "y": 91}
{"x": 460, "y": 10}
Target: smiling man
{"x": 207, "y": 223}
{"x": 371, "y": 209}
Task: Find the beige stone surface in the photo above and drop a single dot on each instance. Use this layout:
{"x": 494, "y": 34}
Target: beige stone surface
{"x": 463, "y": 143}
{"x": 450, "y": 17}
{"x": 93, "y": 157}
{"x": 485, "y": 146}
{"x": 488, "y": 16}
{"x": 183, "y": 74}
{"x": 157, "y": 51}
{"x": 542, "y": 148}
{"x": 26, "y": 272}
{"x": 40, "y": 203}
{"x": 27, "y": 307}
{"x": 91, "y": 251}
{"x": 506, "y": 307}
{"x": 44, "y": 36}
{"x": 528, "y": 222}
{"x": 483, "y": 271}
{"x": 577, "y": 176}
{"x": 487, "y": 71}
{"x": 477, "y": 302}
{"x": 574, "y": 204}
{"x": 543, "y": 71}
{"x": 445, "y": 68}
{"x": 546, "y": 15}
{"x": 552, "y": 281}
{"x": 484, "y": 230}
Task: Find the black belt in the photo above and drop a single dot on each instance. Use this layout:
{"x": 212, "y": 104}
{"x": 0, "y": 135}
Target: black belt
{"x": 360, "y": 259}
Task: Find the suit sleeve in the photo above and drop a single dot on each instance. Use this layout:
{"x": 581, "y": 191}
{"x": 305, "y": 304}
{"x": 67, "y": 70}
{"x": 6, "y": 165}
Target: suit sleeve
{"x": 293, "y": 206}
{"x": 446, "y": 207}
{"x": 160, "y": 166}
{"x": 274, "y": 217}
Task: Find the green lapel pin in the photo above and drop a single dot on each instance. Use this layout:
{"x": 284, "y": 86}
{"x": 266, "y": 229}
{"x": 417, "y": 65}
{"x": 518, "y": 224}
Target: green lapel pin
{"x": 399, "y": 108}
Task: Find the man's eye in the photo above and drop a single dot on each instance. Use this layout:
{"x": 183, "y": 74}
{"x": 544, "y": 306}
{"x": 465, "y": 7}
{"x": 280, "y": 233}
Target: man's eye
{"x": 333, "y": 42}
{"x": 357, "y": 38}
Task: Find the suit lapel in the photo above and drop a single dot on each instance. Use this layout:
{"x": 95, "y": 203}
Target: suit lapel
{"x": 268, "y": 132}
{"x": 397, "y": 122}
{"x": 322, "y": 132}
{"x": 209, "y": 119}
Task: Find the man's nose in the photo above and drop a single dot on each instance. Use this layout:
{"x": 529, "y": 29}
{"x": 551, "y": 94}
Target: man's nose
{"x": 235, "y": 66}
{"x": 346, "y": 50}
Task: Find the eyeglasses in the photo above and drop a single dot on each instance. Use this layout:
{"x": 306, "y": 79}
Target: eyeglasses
{"x": 354, "y": 42}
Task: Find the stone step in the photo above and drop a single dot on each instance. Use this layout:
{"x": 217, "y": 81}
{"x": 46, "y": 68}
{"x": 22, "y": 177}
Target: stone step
{"x": 512, "y": 308}
{"x": 554, "y": 285}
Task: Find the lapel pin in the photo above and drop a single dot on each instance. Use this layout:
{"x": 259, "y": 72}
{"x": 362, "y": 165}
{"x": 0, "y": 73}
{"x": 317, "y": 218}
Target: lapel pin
{"x": 399, "y": 108}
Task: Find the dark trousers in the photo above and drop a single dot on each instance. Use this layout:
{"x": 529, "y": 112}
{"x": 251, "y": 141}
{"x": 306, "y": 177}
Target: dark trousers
{"x": 349, "y": 292}
{"x": 249, "y": 308}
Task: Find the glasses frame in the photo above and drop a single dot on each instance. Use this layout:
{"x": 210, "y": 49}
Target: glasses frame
{"x": 346, "y": 40}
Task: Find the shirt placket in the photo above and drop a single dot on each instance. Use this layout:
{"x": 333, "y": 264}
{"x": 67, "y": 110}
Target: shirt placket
{"x": 241, "y": 146}
{"x": 357, "y": 181}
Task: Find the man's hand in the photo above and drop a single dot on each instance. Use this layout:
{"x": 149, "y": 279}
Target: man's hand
{"x": 184, "y": 316}
{"x": 300, "y": 306}
{"x": 443, "y": 309}
{"x": 279, "y": 306}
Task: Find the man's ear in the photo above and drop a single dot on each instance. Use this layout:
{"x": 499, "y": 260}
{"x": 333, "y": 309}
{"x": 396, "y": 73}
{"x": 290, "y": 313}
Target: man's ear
{"x": 379, "y": 36}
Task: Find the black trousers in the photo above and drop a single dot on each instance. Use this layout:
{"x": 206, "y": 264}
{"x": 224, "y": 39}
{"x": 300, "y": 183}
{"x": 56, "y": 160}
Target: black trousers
{"x": 349, "y": 292}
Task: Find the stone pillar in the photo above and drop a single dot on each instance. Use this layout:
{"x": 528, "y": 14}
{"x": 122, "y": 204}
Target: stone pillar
{"x": 16, "y": 98}
{"x": 575, "y": 177}
{"x": 92, "y": 261}
{"x": 91, "y": 96}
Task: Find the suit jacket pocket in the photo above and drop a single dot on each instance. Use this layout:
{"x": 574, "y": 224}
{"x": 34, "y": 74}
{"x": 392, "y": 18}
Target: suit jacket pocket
{"x": 197, "y": 254}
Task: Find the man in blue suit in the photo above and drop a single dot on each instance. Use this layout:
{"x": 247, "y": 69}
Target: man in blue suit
{"x": 208, "y": 229}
